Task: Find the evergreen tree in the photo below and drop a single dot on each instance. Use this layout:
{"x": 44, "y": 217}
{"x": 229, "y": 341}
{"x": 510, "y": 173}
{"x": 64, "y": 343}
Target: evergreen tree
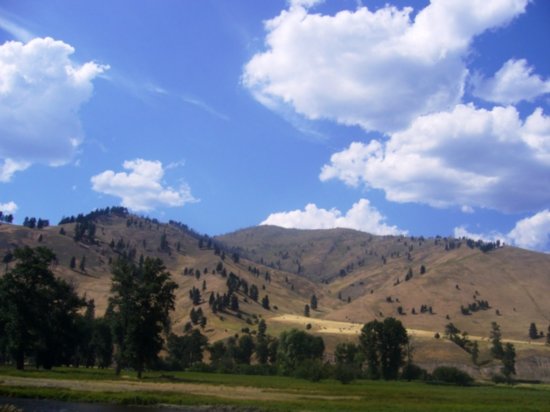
{"x": 245, "y": 349}
{"x": 253, "y": 293}
{"x": 72, "y": 263}
{"x": 142, "y": 298}
{"x": 533, "y": 332}
{"x": 508, "y": 360}
{"x": 306, "y": 311}
{"x": 265, "y": 302}
{"x": 313, "y": 302}
{"x": 234, "y": 303}
{"x": 496, "y": 344}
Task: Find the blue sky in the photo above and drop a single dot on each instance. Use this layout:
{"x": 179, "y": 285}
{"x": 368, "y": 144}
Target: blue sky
{"x": 392, "y": 117}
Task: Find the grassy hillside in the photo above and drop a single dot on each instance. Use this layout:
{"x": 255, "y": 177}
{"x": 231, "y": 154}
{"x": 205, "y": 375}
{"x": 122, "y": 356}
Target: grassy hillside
{"x": 356, "y": 277}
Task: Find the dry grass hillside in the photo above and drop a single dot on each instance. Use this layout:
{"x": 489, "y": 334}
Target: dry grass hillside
{"x": 356, "y": 277}
{"x": 378, "y": 276}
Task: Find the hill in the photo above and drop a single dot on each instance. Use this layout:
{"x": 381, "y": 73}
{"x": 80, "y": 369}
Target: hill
{"x": 356, "y": 277}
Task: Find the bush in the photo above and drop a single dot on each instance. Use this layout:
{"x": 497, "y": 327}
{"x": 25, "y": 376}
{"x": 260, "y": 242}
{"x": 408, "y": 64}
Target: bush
{"x": 412, "y": 372}
{"x": 449, "y": 374}
{"x": 310, "y": 369}
{"x": 498, "y": 378}
{"x": 345, "y": 373}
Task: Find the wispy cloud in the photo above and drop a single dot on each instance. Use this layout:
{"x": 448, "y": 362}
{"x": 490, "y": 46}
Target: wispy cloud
{"x": 13, "y": 28}
{"x": 143, "y": 90}
{"x": 204, "y": 106}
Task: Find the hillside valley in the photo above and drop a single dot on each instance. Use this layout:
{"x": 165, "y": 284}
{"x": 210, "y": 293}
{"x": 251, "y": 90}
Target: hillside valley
{"x": 356, "y": 277}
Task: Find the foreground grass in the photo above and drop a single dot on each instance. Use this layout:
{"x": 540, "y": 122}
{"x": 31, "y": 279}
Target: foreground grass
{"x": 285, "y": 394}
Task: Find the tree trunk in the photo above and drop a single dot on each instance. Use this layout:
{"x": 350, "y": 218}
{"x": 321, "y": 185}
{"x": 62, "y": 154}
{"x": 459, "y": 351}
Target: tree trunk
{"x": 20, "y": 360}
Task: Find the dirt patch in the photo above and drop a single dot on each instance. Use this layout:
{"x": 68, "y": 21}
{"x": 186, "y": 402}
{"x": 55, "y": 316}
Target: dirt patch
{"x": 218, "y": 391}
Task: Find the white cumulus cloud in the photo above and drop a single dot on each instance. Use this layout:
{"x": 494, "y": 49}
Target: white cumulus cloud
{"x": 8, "y": 207}
{"x": 376, "y": 69}
{"x": 141, "y": 188}
{"x": 362, "y": 216}
{"x": 512, "y": 83}
{"x": 466, "y": 157}
{"x": 41, "y": 91}
{"x": 530, "y": 233}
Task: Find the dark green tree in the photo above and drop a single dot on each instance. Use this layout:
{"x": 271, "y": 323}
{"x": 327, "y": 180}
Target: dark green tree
{"x": 183, "y": 351}
{"x": 313, "y": 302}
{"x": 245, "y": 349}
{"x": 265, "y": 302}
{"x": 253, "y": 293}
{"x": 102, "y": 342}
{"x": 496, "y": 344}
{"x": 384, "y": 346}
{"x": 306, "y": 311}
{"x": 348, "y": 362}
{"x": 295, "y": 347}
{"x": 37, "y": 310}
{"x": 142, "y": 298}
{"x": 533, "y": 332}
{"x": 508, "y": 361}
{"x": 72, "y": 263}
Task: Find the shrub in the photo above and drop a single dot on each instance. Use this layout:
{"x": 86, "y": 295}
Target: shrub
{"x": 413, "y": 372}
{"x": 346, "y": 373}
{"x": 310, "y": 369}
{"x": 450, "y": 374}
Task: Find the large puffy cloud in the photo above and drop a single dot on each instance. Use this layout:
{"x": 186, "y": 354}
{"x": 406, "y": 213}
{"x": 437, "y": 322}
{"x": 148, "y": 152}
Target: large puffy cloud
{"x": 362, "y": 216}
{"x": 530, "y": 233}
{"x": 512, "y": 83}
{"x": 141, "y": 189}
{"x": 41, "y": 91}
{"x": 467, "y": 157}
{"x": 376, "y": 69}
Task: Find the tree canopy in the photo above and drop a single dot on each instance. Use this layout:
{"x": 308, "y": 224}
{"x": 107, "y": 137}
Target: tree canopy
{"x": 142, "y": 298}
{"x": 383, "y": 344}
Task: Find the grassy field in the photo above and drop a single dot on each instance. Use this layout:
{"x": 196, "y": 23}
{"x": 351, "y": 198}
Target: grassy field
{"x": 267, "y": 393}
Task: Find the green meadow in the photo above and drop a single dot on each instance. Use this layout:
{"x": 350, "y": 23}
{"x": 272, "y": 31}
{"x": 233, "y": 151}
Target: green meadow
{"x": 270, "y": 393}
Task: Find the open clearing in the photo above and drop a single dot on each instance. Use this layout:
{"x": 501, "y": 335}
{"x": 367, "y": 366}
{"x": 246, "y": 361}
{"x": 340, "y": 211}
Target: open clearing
{"x": 334, "y": 327}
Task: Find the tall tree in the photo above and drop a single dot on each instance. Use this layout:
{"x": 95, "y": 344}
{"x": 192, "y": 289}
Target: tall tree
{"x": 245, "y": 349}
{"x": 384, "y": 344}
{"x": 142, "y": 298}
{"x": 496, "y": 344}
{"x": 508, "y": 360}
{"x": 37, "y": 310}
